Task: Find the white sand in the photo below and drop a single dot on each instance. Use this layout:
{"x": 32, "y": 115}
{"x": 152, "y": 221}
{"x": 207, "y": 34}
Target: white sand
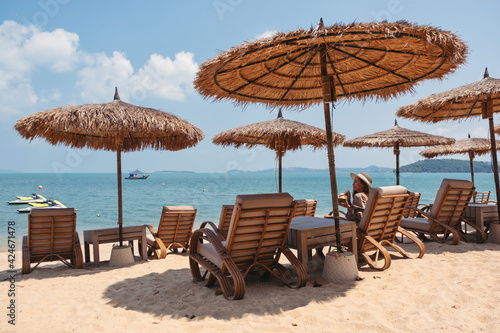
{"x": 452, "y": 289}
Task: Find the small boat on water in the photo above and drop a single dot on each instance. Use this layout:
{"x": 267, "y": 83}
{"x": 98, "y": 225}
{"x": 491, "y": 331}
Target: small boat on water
{"x": 137, "y": 174}
{"x": 46, "y": 204}
{"x": 35, "y": 198}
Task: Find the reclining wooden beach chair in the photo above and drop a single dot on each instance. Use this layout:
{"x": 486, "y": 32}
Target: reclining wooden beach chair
{"x": 380, "y": 222}
{"x": 174, "y": 231}
{"x": 446, "y": 214}
{"x": 51, "y": 236}
{"x": 255, "y": 241}
{"x": 224, "y": 221}
{"x": 305, "y": 207}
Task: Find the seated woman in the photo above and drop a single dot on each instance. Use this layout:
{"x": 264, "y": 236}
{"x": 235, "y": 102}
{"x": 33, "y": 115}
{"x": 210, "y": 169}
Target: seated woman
{"x": 360, "y": 189}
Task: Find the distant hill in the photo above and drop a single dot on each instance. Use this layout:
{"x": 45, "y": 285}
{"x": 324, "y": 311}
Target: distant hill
{"x": 371, "y": 168}
{"x": 424, "y": 166}
{"x": 445, "y": 166}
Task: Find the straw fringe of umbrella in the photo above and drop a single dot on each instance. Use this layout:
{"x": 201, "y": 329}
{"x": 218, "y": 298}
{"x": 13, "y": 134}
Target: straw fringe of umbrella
{"x": 279, "y": 134}
{"x": 95, "y": 126}
{"x": 398, "y": 137}
{"x": 477, "y": 146}
{"x": 288, "y": 70}
{"x": 456, "y": 104}
{"x": 471, "y": 146}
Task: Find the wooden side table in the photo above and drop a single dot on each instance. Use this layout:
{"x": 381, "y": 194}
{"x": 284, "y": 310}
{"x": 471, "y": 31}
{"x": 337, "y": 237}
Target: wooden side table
{"x": 309, "y": 232}
{"x": 481, "y": 214}
{"x": 101, "y": 236}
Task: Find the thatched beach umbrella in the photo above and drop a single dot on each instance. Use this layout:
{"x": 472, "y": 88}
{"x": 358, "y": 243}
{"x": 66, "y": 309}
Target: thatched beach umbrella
{"x": 114, "y": 126}
{"x": 471, "y": 146}
{"x": 481, "y": 98}
{"x": 302, "y": 68}
{"x": 497, "y": 129}
{"x": 279, "y": 134}
{"x": 398, "y": 137}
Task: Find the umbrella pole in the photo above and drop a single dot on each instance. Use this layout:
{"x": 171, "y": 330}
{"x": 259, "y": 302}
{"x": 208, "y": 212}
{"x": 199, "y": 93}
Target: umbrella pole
{"x": 495, "y": 161}
{"x": 119, "y": 174}
{"x": 280, "y": 169}
{"x": 471, "y": 160}
{"x": 328, "y": 88}
{"x": 396, "y": 152}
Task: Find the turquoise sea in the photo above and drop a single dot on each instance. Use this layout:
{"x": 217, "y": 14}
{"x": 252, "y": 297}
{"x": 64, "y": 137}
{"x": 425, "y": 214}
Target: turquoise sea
{"x": 95, "y": 195}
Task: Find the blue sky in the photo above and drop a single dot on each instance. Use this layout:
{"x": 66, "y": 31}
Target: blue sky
{"x": 59, "y": 52}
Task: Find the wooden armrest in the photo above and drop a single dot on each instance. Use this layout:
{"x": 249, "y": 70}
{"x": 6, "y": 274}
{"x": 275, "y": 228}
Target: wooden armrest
{"x": 159, "y": 249}
{"x": 454, "y": 232}
{"x": 214, "y": 228}
{"x": 151, "y": 229}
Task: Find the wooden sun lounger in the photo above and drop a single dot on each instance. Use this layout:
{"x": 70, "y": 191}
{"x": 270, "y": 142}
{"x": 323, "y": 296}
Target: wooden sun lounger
{"x": 446, "y": 214}
{"x": 380, "y": 223}
{"x": 51, "y": 236}
{"x": 174, "y": 231}
{"x": 255, "y": 242}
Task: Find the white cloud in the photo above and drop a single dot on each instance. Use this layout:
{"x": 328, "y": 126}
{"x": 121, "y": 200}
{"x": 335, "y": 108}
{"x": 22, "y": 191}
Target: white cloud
{"x": 480, "y": 132}
{"x": 16, "y": 93}
{"x": 101, "y": 74}
{"x": 28, "y": 51}
{"x": 56, "y": 50}
{"x": 24, "y": 48}
{"x": 163, "y": 77}
{"x": 160, "y": 77}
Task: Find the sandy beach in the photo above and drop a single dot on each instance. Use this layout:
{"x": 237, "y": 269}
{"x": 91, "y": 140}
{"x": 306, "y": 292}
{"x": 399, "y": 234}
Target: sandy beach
{"x": 451, "y": 289}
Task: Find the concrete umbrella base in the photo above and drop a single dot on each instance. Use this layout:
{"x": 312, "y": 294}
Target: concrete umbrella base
{"x": 121, "y": 256}
{"x": 340, "y": 267}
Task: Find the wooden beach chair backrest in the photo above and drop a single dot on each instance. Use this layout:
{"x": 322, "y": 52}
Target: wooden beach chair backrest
{"x": 413, "y": 201}
{"x": 176, "y": 225}
{"x": 305, "y": 207}
{"x": 258, "y": 229}
{"x": 480, "y": 197}
{"x": 51, "y": 234}
{"x": 225, "y": 219}
{"x": 382, "y": 215}
{"x": 451, "y": 202}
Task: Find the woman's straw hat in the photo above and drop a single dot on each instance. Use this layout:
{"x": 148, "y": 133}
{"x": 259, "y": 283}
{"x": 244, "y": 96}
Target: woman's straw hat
{"x": 365, "y": 178}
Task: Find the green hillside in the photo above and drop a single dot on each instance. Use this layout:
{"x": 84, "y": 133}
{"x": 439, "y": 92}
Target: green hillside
{"x": 446, "y": 165}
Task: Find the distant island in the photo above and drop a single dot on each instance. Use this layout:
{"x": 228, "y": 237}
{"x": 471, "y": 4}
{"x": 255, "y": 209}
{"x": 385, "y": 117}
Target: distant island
{"x": 172, "y": 171}
{"x": 446, "y": 166}
{"x": 424, "y": 166}
{"x": 371, "y": 168}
